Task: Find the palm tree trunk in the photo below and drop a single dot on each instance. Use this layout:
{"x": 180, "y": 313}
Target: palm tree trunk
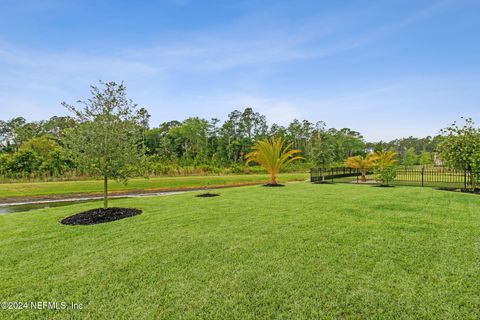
{"x": 364, "y": 176}
{"x": 273, "y": 181}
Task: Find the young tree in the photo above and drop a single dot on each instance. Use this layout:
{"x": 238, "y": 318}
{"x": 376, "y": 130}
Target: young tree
{"x": 460, "y": 148}
{"x": 273, "y": 156}
{"x": 108, "y": 138}
{"x": 384, "y": 162}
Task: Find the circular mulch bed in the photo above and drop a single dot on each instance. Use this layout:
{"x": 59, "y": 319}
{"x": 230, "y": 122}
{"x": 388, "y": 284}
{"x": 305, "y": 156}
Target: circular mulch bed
{"x": 274, "y": 185}
{"x": 100, "y": 215}
{"x": 323, "y": 182}
{"x": 207, "y": 195}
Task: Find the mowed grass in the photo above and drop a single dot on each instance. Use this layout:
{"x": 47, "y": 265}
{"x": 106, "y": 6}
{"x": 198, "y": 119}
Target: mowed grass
{"x": 38, "y": 189}
{"x": 303, "y": 251}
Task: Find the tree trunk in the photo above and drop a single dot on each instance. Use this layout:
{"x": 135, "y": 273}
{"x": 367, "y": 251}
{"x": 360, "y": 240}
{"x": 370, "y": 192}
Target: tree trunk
{"x": 273, "y": 181}
{"x": 364, "y": 176}
{"x": 105, "y": 192}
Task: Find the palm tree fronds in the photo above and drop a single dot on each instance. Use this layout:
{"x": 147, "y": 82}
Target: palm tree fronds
{"x": 272, "y": 155}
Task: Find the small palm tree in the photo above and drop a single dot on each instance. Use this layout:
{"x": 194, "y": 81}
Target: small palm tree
{"x": 384, "y": 159}
{"x": 363, "y": 164}
{"x": 273, "y": 156}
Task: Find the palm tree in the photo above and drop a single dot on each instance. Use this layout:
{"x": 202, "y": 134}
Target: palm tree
{"x": 273, "y": 156}
{"x": 384, "y": 159}
{"x": 363, "y": 164}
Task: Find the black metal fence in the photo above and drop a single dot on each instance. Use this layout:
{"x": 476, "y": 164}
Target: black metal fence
{"x": 331, "y": 174}
{"x": 435, "y": 177}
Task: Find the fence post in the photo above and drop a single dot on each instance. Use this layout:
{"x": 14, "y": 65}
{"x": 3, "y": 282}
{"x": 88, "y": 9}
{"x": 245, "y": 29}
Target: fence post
{"x": 357, "y": 175}
{"x": 423, "y": 170}
{"x": 465, "y": 178}
{"x": 331, "y": 171}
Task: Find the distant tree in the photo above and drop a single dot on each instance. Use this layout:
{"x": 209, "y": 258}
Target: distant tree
{"x": 191, "y": 139}
{"x": 376, "y": 146}
{"x": 10, "y": 133}
{"x": 51, "y": 157}
{"x": 277, "y": 130}
{"x": 5, "y": 163}
{"x": 252, "y": 126}
{"x": 159, "y": 143}
{"x": 40, "y": 145}
{"x": 363, "y": 164}
{"x": 56, "y": 127}
{"x": 410, "y": 158}
{"x": 426, "y": 158}
{"x": 294, "y": 134}
{"x": 401, "y": 146}
{"x": 3, "y": 132}
{"x": 346, "y": 143}
{"x": 322, "y": 152}
{"x": 273, "y": 156}
{"x": 460, "y": 148}
{"x": 108, "y": 138}
{"x": 24, "y": 162}
{"x": 230, "y": 137}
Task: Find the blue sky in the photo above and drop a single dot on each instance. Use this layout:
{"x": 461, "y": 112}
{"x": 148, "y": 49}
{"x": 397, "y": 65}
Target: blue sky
{"x": 385, "y": 68}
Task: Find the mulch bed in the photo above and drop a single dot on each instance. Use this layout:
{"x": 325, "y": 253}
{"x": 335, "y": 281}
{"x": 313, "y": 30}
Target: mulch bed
{"x": 100, "y": 215}
{"x": 207, "y": 195}
{"x": 274, "y": 185}
{"x": 323, "y": 182}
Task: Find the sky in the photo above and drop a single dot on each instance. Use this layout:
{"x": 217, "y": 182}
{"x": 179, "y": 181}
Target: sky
{"x": 387, "y": 69}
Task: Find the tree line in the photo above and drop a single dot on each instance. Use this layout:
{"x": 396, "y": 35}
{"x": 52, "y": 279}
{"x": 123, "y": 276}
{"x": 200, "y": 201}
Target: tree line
{"x": 40, "y": 149}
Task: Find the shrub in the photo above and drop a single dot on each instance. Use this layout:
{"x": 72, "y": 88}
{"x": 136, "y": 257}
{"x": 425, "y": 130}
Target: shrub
{"x": 385, "y": 175}
{"x": 384, "y": 168}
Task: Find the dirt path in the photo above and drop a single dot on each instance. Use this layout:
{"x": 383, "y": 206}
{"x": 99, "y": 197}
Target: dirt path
{"x": 112, "y": 195}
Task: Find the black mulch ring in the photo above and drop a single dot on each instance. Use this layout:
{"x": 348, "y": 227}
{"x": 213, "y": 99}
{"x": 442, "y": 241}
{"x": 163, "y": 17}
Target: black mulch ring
{"x": 384, "y": 186}
{"x": 323, "y": 182}
{"x": 100, "y": 215}
{"x": 207, "y": 195}
{"x": 274, "y": 185}
{"x": 476, "y": 191}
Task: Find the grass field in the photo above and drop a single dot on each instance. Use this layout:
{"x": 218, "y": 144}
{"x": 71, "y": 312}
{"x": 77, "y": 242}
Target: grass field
{"x": 299, "y": 252}
{"x": 36, "y": 189}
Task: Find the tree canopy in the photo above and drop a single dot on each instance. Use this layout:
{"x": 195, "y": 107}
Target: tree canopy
{"x": 107, "y": 139}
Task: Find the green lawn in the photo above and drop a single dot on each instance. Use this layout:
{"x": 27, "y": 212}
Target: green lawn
{"x": 36, "y": 189}
{"x": 300, "y": 252}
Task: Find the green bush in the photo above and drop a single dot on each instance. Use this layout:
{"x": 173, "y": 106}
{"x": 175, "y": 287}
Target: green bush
{"x": 385, "y": 175}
